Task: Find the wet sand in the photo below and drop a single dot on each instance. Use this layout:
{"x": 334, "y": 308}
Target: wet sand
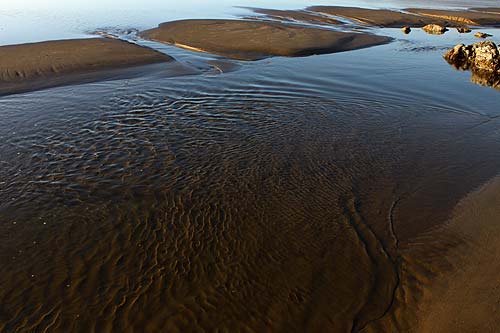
{"x": 254, "y": 40}
{"x": 259, "y": 200}
{"x": 35, "y": 66}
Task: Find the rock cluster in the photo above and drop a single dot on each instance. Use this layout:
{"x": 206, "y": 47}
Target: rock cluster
{"x": 482, "y": 56}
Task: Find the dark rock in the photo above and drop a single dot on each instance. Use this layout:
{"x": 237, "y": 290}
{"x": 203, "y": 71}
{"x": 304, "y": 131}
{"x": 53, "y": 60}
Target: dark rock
{"x": 481, "y": 35}
{"x": 406, "y": 30}
{"x": 463, "y": 30}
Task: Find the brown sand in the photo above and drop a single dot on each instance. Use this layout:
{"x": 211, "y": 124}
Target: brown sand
{"x": 252, "y": 40}
{"x": 297, "y": 15}
{"x": 460, "y": 16}
{"x": 378, "y": 17}
{"x": 40, "y": 65}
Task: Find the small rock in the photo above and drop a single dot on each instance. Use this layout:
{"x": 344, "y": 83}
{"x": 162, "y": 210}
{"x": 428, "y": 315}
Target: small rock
{"x": 481, "y": 35}
{"x": 406, "y": 30}
{"x": 463, "y": 30}
{"x": 434, "y": 29}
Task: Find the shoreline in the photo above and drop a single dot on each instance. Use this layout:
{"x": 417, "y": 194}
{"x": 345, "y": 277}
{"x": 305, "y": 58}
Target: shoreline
{"x": 288, "y": 33}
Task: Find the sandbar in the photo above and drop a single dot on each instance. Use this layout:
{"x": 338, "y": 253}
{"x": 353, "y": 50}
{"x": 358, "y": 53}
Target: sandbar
{"x": 34, "y": 66}
{"x": 254, "y": 40}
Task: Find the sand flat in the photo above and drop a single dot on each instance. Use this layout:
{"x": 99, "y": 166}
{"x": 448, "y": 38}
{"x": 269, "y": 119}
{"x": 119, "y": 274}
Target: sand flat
{"x": 460, "y": 16}
{"x": 377, "y": 17}
{"x": 39, "y": 65}
{"x": 254, "y": 40}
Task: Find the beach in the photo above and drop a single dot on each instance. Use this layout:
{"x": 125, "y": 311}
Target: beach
{"x": 293, "y": 169}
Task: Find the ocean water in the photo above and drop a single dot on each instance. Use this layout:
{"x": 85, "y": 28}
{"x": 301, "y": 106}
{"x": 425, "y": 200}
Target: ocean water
{"x": 276, "y": 195}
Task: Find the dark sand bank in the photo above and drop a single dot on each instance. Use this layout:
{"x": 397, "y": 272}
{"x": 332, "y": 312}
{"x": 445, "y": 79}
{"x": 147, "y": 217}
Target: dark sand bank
{"x": 298, "y": 15}
{"x": 253, "y": 40}
{"x": 41, "y": 65}
{"x": 378, "y": 17}
{"x": 468, "y": 17}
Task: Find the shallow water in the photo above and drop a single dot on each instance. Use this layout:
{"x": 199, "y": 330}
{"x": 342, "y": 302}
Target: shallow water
{"x": 272, "y": 195}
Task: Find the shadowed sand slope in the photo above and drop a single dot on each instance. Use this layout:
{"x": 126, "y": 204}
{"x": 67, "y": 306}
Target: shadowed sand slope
{"x": 378, "y": 17}
{"x": 460, "y": 16}
{"x": 468, "y": 299}
{"x": 252, "y": 40}
{"x": 40, "y": 65}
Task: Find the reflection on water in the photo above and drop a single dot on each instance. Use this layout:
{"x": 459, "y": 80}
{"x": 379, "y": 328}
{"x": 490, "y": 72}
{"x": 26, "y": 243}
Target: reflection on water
{"x": 486, "y": 79}
{"x": 261, "y": 198}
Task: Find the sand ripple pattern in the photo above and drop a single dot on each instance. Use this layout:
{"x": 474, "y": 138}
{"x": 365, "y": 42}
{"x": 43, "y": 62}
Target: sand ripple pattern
{"x": 235, "y": 207}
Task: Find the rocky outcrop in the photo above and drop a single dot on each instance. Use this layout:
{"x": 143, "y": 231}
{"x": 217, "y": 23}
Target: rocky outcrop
{"x": 434, "y": 29}
{"x": 482, "y": 56}
{"x": 482, "y": 59}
